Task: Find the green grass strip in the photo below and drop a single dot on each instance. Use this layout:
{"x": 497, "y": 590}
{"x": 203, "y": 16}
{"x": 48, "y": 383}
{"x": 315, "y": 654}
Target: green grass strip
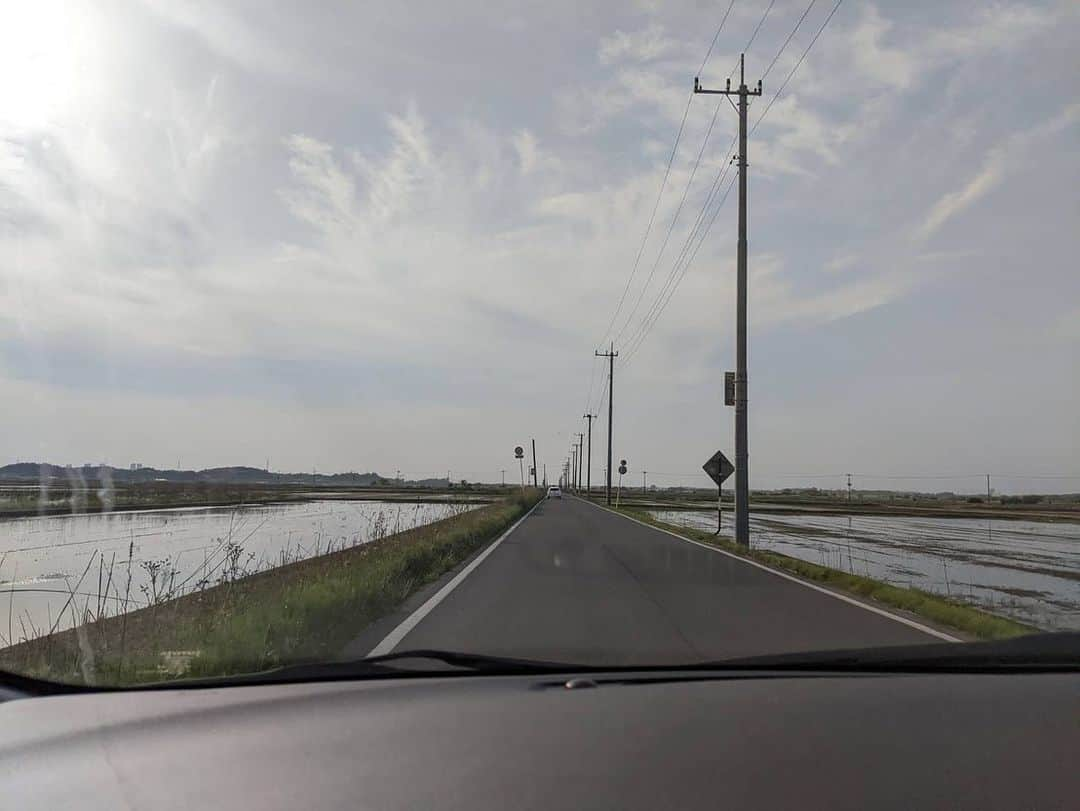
{"x": 307, "y": 611}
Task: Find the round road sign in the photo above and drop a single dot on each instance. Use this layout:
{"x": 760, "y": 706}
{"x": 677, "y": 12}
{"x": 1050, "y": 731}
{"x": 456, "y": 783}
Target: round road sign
{"x": 622, "y": 469}
{"x": 519, "y": 452}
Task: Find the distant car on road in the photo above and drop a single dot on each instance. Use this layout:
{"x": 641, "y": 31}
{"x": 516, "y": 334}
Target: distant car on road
{"x": 554, "y": 491}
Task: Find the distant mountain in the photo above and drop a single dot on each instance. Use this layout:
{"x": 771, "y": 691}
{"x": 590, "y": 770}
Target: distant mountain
{"x": 36, "y": 471}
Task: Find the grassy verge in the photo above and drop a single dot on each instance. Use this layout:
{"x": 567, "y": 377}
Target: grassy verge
{"x": 305, "y": 611}
{"x": 939, "y": 610}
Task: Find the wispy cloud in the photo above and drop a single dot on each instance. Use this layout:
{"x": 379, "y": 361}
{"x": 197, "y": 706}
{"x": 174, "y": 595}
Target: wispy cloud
{"x": 1014, "y": 152}
{"x": 636, "y": 46}
{"x": 247, "y": 206}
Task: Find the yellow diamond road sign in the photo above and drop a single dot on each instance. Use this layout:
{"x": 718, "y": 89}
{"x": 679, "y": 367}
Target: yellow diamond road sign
{"x": 719, "y": 468}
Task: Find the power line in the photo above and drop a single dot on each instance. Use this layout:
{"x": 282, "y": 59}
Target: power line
{"x": 671, "y": 226}
{"x": 784, "y": 84}
{"x": 678, "y": 279}
{"x": 592, "y": 384}
{"x": 633, "y": 343}
{"x": 659, "y": 255}
{"x": 753, "y": 36}
{"x": 652, "y": 219}
{"x": 716, "y": 36}
{"x": 786, "y": 41}
{"x": 663, "y": 182}
{"x": 686, "y": 243}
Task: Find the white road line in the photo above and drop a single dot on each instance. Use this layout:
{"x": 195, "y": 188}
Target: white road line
{"x": 392, "y": 639}
{"x": 926, "y": 629}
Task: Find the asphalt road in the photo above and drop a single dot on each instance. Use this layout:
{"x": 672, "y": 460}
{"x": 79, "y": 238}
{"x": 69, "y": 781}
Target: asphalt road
{"x": 576, "y": 583}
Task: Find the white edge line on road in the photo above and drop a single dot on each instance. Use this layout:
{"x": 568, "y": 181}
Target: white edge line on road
{"x": 392, "y": 639}
{"x": 926, "y": 629}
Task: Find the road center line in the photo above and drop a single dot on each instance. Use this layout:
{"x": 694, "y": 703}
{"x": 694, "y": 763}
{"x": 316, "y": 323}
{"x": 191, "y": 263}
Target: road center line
{"x": 392, "y": 639}
{"x": 926, "y": 629}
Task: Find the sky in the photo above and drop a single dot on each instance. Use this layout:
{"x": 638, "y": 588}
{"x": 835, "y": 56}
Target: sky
{"x": 390, "y": 237}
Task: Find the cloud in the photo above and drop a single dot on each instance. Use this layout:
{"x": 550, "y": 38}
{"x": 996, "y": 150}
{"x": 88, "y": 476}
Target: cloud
{"x": 1011, "y": 154}
{"x": 215, "y": 229}
{"x": 893, "y": 67}
{"x": 957, "y": 201}
{"x": 637, "y": 46}
{"x": 243, "y": 41}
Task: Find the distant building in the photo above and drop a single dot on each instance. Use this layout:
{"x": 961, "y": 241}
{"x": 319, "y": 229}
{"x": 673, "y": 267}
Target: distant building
{"x": 136, "y": 466}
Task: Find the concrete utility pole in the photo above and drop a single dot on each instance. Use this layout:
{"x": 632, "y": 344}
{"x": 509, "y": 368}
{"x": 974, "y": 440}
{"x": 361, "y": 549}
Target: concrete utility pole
{"x": 588, "y": 463}
{"x": 611, "y": 354}
{"x": 644, "y": 473}
{"x": 987, "y": 488}
{"x": 580, "y": 457}
{"x": 534, "y": 462}
{"x": 742, "y": 444}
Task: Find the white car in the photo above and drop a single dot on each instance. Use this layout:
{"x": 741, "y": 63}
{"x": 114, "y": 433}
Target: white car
{"x": 554, "y": 491}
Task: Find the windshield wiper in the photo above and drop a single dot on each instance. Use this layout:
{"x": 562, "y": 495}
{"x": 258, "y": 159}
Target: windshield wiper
{"x": 1038, "y": 653}
{"x": 420, "y": 662}
{"x": 409, "y": 663}
{"x": 1033, "y": 653}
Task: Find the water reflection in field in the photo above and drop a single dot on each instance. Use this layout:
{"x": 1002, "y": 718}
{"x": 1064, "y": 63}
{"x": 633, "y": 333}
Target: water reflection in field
{"x": 113, "y": 562}
{"x": 1026, "y": 570}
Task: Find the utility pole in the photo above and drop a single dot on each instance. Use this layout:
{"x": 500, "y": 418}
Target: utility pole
{"x": 987, "y": 488}
{"x": 742, "y": 444}
{"x": 545, "y": 474}
{"x": 588, "y": 463}
{"x": 643, "y": 487}
{"x": 534, "y": 462}
{"x": 849, "y": 489}
{"x": 580, "y": 457}
{"x": 503, "y": 471}
{"x": 611, "y": 354}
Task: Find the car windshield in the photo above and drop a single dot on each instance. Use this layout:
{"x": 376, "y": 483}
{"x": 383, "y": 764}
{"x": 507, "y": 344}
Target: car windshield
{"x": 597, "y": 334}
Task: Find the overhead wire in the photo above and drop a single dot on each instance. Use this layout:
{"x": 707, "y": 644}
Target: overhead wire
{"x": 663, "y": 182}
{"x": 656, "y": 205}
{"x": 701, "y": 215}
{"x": 788, "y": 40}
{"x": 784, "y": 84}
{"x": 671, "y": 225}
{"x": 677, "y": 279}
{"x": 676, "y": 274}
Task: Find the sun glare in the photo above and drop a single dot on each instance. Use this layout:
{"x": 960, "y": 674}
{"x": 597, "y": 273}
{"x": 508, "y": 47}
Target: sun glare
{"x": 45, "y": 61}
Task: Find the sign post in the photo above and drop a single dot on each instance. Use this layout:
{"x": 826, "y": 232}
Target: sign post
{"x": 519, "y": 454}
{"x": 719, "y": 468}
{"x": 622, "y": 472}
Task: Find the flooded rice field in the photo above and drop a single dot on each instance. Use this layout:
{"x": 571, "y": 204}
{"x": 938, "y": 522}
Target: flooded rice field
{"x": 120, "y": 561}
{"x": 1026, "y": 570}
